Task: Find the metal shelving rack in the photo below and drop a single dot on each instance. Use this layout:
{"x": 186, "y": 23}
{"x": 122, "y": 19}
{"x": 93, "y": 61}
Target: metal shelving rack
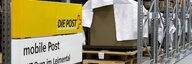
{"x": 182, "y": 45}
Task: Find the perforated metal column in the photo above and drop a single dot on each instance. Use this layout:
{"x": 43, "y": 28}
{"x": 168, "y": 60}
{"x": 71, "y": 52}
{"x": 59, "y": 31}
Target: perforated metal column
{"x": 175, "y": 40}
{"x": 154, "y": 31}
{"x": 190, "y": 26}
{"x": 6, "y": 32}
{"x": 183, "y": 25}
{"x": 167, "y": 34}
{"x": 140, "y": 32}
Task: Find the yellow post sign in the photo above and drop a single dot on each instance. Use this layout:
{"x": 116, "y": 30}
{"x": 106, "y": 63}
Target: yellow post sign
{"x": 31, "y": 18}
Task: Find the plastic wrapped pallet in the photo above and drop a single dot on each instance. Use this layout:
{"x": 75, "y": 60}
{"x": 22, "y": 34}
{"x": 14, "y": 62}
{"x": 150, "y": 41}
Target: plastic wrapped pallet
{"x": 103, "y": 31}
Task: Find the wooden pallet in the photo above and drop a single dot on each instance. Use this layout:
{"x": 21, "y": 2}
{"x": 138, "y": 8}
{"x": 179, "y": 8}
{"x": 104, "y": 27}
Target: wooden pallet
{"x": 89, "y": 61}
{"x": 111, "y": 52}
{"x": 109, "y": 57}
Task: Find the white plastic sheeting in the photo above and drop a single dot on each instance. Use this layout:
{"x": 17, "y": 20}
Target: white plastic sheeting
{"x": 125, "y": 12}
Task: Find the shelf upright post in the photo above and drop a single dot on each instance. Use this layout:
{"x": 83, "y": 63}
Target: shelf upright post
{"x": 183, "y": 25}
{"x": 140, "y": 32}
{"x": 175, "y": 40}
{"x": 154, "y": 31}
{"x": 6, "y": 31}
{"x": 167, "y": 24}
{"x": 189, "y": 24}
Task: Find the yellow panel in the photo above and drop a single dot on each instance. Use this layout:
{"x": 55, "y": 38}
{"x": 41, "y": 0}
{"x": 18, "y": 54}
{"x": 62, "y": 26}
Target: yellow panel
{"x": 32, "y": 18}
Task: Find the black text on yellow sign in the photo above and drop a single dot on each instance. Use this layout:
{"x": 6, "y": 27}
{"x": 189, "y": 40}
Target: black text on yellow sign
{"x": 69, "y": 23}
{"x": 32, "y": 18}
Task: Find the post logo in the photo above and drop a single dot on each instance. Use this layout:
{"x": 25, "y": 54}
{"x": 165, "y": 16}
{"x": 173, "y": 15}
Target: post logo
{"x": 66, "y": 24}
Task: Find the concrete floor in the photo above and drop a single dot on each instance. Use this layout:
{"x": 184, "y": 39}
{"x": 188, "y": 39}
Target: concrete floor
{"x": 186, "y": 60}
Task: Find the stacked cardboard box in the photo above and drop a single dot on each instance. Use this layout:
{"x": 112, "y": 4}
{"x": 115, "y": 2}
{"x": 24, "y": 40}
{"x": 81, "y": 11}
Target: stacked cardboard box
{"x": 161, "y": 4}
{"x": 102, "y": 33}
